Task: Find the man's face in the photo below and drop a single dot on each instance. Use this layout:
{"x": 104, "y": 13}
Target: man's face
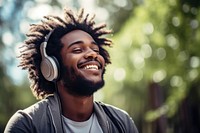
{"x": 83, "y": 65}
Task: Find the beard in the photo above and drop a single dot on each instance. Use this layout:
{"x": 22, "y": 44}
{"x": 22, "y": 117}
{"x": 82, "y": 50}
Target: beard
{"x": 78, "y": 85}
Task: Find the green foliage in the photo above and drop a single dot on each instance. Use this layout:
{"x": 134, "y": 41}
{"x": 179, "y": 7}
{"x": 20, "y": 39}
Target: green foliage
{"x": 157, "y": 44}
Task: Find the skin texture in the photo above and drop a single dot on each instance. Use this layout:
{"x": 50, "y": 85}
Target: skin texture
{"x": 81, "y": 61}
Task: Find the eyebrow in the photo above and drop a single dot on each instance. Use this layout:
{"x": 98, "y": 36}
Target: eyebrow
{"x": 80, "y": 42}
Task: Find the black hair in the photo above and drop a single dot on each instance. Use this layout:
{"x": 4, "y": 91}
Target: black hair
{"x": 30, "y": 55}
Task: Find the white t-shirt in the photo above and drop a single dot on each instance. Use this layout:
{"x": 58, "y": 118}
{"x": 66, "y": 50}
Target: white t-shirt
{"x": 89, "y": 126}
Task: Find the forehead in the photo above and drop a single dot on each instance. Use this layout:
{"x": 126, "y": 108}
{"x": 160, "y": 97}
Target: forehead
{"x": 75, "y": 36}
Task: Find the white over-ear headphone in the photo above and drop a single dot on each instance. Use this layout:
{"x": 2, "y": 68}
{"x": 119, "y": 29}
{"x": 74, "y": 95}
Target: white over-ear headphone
{"x": 49, "y": 65}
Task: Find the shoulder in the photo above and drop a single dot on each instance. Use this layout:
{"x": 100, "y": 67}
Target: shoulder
{"x": 114, "y": 110}
{"x": 120, "y": 116}
{"x": 24, "y": 120}
{"x": 19, "y": 122}
{"x": 37, "y": 109}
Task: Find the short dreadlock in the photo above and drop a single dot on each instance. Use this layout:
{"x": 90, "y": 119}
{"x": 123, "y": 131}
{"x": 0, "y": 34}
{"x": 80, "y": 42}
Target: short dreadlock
{"x": 30, "y": 51}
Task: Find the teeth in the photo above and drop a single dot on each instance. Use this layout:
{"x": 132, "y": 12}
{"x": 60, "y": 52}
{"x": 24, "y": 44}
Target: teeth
{"x": 91, "y": 67}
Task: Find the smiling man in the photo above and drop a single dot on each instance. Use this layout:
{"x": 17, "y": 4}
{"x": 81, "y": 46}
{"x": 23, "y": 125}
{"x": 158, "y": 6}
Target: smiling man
{"x": 83, "y": 65}
{"x": 66, "y": 63}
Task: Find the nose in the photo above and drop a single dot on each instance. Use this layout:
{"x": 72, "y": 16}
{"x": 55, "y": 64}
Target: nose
{"x": 90, "y": 54}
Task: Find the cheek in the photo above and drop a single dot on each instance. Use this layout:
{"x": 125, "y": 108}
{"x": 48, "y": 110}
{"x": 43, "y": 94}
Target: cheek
{"x": 69, "y": 61}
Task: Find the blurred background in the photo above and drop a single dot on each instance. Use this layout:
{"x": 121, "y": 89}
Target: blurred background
{"x": 155, "y": 70}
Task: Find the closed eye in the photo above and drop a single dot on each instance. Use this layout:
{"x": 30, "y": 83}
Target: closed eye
{"x": 96, "y": 50}
{"x": 77, "y": 50}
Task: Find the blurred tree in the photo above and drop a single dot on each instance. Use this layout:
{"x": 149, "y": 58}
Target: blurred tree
{"x": 155, "y": 70}
{"x": 119, "y": 11}
{"x": 14, "y": 93}
{"x": 156, "y": 65}
{"x": 9, "y": 101}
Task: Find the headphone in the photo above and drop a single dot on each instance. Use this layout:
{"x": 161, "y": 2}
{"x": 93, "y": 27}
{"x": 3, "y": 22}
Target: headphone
{"x": 49, "y": 65}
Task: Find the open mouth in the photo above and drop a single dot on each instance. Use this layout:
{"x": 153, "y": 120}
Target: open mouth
{"x": 91, "y": 65}
{"x": 94, "y": 67}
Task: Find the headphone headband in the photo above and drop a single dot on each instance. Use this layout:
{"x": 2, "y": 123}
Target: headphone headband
{"x": 48, "y": 36}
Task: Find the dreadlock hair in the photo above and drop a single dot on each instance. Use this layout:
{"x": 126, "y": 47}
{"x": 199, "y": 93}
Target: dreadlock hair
{"x": 30, "y": 56}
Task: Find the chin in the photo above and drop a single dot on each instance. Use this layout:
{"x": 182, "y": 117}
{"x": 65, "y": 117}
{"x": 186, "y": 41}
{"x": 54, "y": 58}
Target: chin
{"x": 79, "y": 85}
{"x": 82, "y": 86}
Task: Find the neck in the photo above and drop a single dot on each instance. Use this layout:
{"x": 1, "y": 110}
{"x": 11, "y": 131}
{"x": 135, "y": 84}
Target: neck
{"x": 76, "y": 108}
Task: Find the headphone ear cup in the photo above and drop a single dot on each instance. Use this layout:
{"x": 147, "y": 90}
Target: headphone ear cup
{"x": 50, "y": 68}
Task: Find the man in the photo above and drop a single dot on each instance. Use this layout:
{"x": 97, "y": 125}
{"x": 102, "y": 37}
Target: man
{"x": 66, "y": 62}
